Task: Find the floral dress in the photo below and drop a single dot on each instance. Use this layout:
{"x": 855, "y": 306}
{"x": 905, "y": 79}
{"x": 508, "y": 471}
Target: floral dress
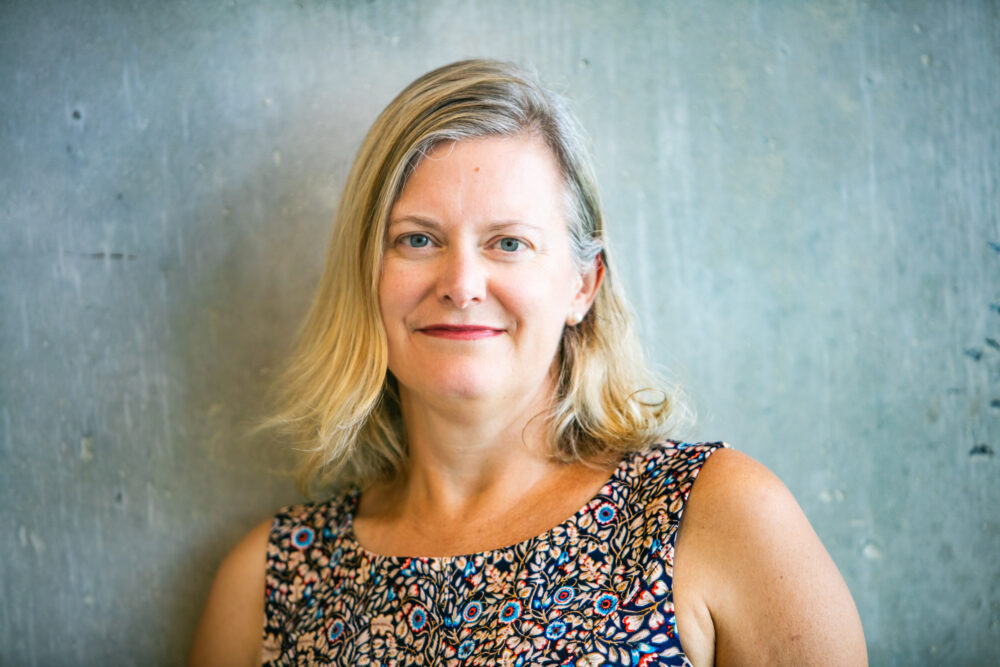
{"x": 594, "y": 590}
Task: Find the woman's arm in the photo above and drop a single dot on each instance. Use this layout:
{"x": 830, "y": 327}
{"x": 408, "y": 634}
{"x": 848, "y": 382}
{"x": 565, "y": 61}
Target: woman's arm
{"x": 752, "y": 579}
{"x": 231, "y": 626}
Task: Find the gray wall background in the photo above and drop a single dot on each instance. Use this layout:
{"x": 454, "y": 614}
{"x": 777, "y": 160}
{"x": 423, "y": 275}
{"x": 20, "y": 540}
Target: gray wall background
{"x": 803, "y": 197}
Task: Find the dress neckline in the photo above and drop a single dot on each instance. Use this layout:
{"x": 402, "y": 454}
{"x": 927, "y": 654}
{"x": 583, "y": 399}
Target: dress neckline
{"x": 354, "y": 497}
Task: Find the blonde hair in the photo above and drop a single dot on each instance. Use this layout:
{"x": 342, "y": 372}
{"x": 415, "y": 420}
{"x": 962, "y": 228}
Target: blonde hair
{"x": 339, "y": 401}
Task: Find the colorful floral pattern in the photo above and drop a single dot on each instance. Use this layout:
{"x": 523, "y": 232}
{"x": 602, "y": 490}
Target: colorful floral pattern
{"x": 594, "y": 590}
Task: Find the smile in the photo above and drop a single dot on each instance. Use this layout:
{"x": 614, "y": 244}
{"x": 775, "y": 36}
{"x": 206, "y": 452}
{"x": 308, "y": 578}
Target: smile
{"x": 470, "y": 332}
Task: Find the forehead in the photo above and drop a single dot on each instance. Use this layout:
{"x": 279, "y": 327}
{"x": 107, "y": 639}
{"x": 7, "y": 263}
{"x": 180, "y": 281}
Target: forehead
{"x": 491, "y": 176}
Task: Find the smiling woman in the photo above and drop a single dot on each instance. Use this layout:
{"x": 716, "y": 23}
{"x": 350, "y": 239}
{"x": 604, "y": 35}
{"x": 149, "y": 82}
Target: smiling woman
{"x": 506, "y": 489}
{"x": 478, "y": 281}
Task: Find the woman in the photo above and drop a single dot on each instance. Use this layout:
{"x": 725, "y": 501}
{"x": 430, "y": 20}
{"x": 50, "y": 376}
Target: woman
{"x": 474, "y": 386}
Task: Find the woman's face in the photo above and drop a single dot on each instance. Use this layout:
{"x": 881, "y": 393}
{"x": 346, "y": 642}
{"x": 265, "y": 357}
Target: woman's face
{"x": 477, "y": 279}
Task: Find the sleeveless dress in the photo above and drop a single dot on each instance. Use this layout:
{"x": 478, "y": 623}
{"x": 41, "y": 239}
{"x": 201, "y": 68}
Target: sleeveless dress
{"x": 594, "y": 590}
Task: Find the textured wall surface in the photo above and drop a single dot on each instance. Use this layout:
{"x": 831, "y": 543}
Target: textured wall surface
{"x": 803, "y": 197}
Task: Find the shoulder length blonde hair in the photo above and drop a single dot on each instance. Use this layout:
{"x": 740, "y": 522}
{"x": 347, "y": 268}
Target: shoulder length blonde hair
{"x": 338, "y": 400}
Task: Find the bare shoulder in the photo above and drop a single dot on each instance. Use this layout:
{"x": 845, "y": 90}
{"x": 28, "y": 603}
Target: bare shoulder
{"x": 229, "y": 632}
{"x": 748, "y": 561}
{"x": 736, "y": 485}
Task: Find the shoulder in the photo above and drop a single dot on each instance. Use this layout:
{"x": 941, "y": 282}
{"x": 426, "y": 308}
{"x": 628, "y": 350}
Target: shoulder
{"x": 248, "y": 590}
{"x": 736, "y": 493}
{"x": 749, "y": 557}
{"x": 736, "y": 500}
{"x": 229, "y": 632}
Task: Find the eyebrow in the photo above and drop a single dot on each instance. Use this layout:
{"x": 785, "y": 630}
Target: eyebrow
{"x": 426, "y": 223}
{"x": 415, "y": 219}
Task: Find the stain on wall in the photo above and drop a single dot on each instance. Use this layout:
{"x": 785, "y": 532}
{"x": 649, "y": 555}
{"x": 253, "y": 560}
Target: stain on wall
{"x": 803, "y": 198}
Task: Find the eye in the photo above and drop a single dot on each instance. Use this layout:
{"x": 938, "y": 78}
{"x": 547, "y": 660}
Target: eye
{"x": 509, "y": 244}
{"x": 416, "y": 240}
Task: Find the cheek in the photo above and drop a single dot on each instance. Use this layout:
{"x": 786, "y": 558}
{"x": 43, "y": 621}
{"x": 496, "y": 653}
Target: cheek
{"x": 537, "y": 303}
{"x": 396, "y": 291}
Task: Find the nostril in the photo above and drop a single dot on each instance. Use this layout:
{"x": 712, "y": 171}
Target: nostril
{"x": 462, "y": 281}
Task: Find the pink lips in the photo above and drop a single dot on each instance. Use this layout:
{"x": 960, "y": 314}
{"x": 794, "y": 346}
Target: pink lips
{"x": 454, "y": 332}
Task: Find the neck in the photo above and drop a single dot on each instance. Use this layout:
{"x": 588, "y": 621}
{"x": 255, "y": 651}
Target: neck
{"x": 467, "y": 453}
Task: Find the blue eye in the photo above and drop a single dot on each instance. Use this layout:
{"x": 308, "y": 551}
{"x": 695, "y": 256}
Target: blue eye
{"x": 510, "y": 245}
{"x": 416, "y": 240}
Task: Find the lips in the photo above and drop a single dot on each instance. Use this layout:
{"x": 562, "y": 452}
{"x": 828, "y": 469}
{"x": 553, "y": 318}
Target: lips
{"x": 460, "y": 332}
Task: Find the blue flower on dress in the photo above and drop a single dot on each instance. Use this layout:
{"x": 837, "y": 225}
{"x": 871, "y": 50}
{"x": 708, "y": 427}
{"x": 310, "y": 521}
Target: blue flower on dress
{"x": 336, "y": 629}
{"x": 605, "y": 603}
{"x": 606, "y": 513}
{"x": 303, "y": 537}
{"x": 472, "y": 611}
{"x": 638, "y": 655}
{"x": 418, "y": 619}
{"x": 510, "y": 611}
{"x": 465, "y": 648}
{"x": 564, "y": 595}
{"x": 555, "y": 630}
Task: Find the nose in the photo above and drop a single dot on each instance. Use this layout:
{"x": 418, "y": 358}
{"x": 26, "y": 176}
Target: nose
{"x": 462, "y": 280}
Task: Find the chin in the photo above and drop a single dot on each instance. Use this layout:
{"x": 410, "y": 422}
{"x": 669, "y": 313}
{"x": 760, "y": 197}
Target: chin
{"x": 464, "y": 388}
{"x": 459, "y": 382}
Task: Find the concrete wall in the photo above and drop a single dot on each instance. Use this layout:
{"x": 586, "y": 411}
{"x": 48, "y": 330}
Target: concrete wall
{"x": 803, "y": 197}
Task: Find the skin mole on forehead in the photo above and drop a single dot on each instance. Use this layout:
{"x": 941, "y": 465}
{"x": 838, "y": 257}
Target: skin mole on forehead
{"x": 476, "y": 169}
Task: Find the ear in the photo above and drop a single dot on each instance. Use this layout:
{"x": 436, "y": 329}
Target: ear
{"x": 590, "y": 281}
